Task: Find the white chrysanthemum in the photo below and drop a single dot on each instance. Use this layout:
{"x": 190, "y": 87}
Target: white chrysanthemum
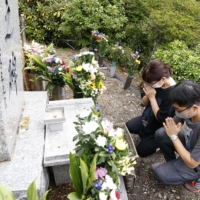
{"x": 103, "y": 196}
{"x": 58, "y": 60}
{"x": 86, "y": 66}
{"x": 89, "y": 127}
{"x": 101, "y": 141}
{"x": 108, "y": 183}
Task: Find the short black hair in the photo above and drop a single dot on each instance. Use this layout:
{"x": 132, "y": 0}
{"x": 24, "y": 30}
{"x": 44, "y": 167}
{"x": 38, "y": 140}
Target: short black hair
{"x": 185, "y": 93}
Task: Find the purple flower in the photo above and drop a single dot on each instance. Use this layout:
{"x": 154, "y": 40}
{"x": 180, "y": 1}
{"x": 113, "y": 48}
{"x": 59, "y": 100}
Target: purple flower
{"x": 74, "y": 58}
{"x": 110, "y": 149}
{"x": 52, "y": 69}
{"x": 53, "y": 60}
{"x": 95, "y": 32}
{"x": 98, "y": 184}
{"x": 100, "y": 173}
{"x": 97, "y": 107}
{"x": 47, "y": 59}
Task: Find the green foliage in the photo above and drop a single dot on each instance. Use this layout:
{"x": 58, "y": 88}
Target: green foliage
{"x": 6, "y": 194}
{"x": 42, "y": 19}
{"x": 82, "y": 175}
{"x": 183, "y": 61}
{"x": 81, "y": 17}
{"x": 169, "y": 20}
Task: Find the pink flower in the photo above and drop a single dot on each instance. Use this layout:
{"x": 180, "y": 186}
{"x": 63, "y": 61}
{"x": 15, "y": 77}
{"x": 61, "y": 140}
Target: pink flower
{"x": 100, "y": 173}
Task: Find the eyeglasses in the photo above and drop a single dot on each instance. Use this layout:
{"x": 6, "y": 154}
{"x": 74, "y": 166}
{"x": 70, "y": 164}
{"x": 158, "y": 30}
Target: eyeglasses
{"x": 182, "y": 110}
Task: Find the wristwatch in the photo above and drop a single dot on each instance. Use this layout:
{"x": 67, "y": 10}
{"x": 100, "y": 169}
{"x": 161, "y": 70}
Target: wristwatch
{"x": 173, "y": 137}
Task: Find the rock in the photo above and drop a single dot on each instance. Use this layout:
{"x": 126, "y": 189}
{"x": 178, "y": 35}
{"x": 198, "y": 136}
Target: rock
{"x": 177, "y": 197}
{"x": 160, "y": 196}
{"x": 173, "y": 191}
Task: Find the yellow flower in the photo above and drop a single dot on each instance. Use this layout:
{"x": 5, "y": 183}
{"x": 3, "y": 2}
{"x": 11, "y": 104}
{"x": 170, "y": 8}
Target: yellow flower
{"x": 92, "y": 84}
{"x": 100, "y": 85}
{"x": 137, "y": 61}
{"x": 79, "y": 68}
{"x": 121, "y": 144}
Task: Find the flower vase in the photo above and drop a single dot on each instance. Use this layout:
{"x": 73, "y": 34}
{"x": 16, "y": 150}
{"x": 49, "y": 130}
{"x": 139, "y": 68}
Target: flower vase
{"x": 37, "y": 85}
{"x": 128, "y": 82}
{"x": 91, "y": 49}
{"x": 129, "y": 181}
{"x": 59, "y": 93}
{"x": 113, "y": 69}
{"x": 77, "y": 92}
{"x": 100, "y": 60}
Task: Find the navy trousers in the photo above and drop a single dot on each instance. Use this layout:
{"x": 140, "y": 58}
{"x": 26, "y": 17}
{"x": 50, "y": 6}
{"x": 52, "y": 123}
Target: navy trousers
{"x": 148, "y": 144}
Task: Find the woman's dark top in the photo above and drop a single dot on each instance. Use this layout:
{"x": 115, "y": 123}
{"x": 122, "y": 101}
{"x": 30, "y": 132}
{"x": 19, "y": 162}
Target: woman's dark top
{"x": 166, "y": 109}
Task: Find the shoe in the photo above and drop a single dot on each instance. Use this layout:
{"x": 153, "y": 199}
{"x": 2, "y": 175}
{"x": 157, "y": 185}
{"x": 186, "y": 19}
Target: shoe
{"x": 193, "y": 186}
{"x": 156, "y": 165}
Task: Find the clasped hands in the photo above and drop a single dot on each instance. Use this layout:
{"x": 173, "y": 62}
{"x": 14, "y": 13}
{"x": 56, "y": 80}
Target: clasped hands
{"x": 149, "y": 91}
{"x": 171, "y": 127}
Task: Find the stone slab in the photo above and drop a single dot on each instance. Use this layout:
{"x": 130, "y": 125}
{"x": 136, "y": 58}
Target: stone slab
{"x": 59, "y": 144}
{"x": 26, "y": 163}
{"x": 61, "y": 174}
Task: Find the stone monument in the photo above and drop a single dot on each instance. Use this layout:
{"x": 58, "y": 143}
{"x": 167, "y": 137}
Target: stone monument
{"x": 11, "y": 83}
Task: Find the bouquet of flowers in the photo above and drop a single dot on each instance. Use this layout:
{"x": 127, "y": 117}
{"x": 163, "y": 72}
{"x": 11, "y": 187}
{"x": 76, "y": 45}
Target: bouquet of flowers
{"x": 97, "y": 136}
{"x": 132, "y": 65}
{"x": 115, "y": 52}
{"x": 43, "y": 62}
{"x": 35, "y": 48}
{"x": 101, "y": 154}
{"x": 93, "y": 41}
{"x": 103, "y": 42}
{"x": 85, "y": 75}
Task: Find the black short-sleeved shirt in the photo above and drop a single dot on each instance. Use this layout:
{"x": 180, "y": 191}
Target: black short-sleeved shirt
{"x": 166, "y": 109}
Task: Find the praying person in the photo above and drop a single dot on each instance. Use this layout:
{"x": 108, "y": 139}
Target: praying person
{"x": 158, "y": 83}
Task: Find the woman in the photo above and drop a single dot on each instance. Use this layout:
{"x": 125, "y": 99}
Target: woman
{"x": 158, "y": 83}
{"x": 185, "y": 97}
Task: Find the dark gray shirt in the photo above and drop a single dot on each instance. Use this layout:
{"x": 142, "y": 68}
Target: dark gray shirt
{"x": 195, "y": 140}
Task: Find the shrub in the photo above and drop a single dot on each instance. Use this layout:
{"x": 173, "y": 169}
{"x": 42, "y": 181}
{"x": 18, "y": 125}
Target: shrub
{"x": 42, "y": 19}
{"x": 81, "y": 17}
{"x": 183, "y": 61}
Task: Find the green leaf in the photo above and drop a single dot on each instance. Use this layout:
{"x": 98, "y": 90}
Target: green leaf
{"x": 6, "y": 194}
{"x": 37, "y": 59}
{"x": 75, "y": 174}
{"x": 92, "y": 171}
{"x": 84, "y": 175}
{"x": 73, "y": 196}
{"x": 45, "y": 195}
{"x": 32, "y": 191}
{"x": 68, "y": 81}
